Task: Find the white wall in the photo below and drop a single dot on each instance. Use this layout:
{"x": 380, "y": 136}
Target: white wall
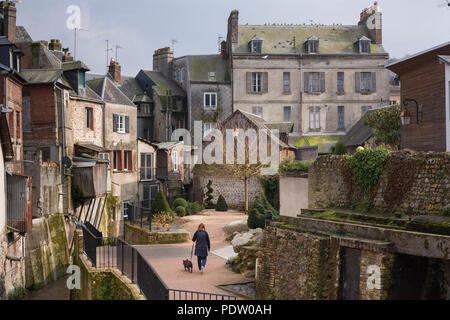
{"x": 293, "y": 195}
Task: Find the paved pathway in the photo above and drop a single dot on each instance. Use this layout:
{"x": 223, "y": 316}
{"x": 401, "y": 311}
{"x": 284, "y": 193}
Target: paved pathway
{"x": 167, "y": 259}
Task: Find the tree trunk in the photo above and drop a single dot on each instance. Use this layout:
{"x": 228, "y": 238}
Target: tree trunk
{"x": 246, "y": 194}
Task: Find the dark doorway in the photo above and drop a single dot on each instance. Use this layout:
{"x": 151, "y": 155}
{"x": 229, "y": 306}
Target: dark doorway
{"x": 350, "y": 273}
{"x": 416, "y": 278}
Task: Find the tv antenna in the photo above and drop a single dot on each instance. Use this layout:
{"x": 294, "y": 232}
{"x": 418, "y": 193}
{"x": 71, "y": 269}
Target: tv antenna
{"x": 219, "y": 41}
{"x": 117, "y": 47}
{"x": 173, "y": 44}
{"x": 108, "y": 49}
{"x": 75, "y": 42}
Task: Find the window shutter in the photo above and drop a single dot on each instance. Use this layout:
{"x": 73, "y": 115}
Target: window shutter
{"x": 374, "y": 82}
{"x": 322, "y": 82}
{"x": 248, "y": 76}
{"x": 115, "y": 117}
{"x": 357, "y": 81}
{"x": 306, "y": 81}
{"x": 127, "y": 124}
{"x": 265, "y": 82}
{"x": 143, "y": 165}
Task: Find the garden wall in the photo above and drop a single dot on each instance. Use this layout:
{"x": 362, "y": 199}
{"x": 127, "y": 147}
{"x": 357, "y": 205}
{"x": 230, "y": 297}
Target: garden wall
{"x": 415, "y": 183}
{"x": 228, "y": 186}
{"x": 293, "y": 195}
{"x": 139, "y": 236}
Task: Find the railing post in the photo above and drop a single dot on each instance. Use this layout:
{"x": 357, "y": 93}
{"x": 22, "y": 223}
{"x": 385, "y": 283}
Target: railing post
{"x": 132, "y": 265}
{"x": 121, "y": 257}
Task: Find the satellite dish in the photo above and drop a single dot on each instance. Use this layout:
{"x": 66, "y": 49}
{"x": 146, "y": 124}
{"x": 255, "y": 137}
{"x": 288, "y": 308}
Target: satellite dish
{"x": 67, "y": 163}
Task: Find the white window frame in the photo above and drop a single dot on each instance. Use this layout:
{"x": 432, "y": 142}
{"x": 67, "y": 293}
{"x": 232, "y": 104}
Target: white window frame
{"x": 314, "y": 118}
{"x": 212, "y": 76}
{"x": 286, "y": 82}
{"x": 364, "y": 44}
{"x": 259, "y": 114}
{"x": 285, "y": 108}
{"x": 256, "y": 46}
{"x": 125, "y": 160}
{"x": 366, "y": 84}
{"x": 314, "y": 84}
{"x": 208, "y": 127}
{"x": 210, "y": 106}
{"x": 341, "y": 117}
{"x": 120, "y": 123}
{"x": 256, "y": 82}
{"x": 175, "y": 158}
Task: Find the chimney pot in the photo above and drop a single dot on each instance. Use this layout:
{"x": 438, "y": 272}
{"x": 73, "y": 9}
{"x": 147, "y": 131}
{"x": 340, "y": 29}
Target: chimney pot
{"x": 115, "y": 70}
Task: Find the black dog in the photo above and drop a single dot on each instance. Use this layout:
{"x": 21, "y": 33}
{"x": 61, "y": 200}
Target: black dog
{"x": 187, "y": 265}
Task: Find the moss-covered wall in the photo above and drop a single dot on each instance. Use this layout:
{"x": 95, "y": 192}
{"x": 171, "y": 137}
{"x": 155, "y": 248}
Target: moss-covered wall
{"x": 100, "y": 284}
{"x": 47, "y": 253}
{"x": 139, "y": 236}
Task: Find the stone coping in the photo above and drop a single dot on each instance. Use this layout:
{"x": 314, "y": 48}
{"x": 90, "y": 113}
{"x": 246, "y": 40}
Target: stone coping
{"x": 140, "y": 236}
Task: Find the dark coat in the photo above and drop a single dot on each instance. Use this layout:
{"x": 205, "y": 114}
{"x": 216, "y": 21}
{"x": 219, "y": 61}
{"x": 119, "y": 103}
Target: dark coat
{"x": 202, "y": 244}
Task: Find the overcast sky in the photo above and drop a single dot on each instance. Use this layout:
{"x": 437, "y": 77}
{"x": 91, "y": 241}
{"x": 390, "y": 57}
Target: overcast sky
{"x": 142, "y": 26}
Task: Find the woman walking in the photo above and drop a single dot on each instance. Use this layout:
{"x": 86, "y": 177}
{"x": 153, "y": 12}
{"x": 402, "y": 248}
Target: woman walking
{"x": 202, "y": 246}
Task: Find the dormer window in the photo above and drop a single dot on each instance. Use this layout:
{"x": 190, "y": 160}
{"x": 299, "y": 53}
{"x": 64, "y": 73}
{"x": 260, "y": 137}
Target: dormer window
{"x": 364, "y": 45}
{"x": 256, "y": 45}
{"x": 82, "y": 79}
{"x": 212, "y": 76}
{"x": 313, "y": 45}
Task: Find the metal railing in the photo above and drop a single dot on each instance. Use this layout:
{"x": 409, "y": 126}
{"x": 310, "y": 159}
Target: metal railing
{"x": 140, "y": 214}
{"x": 109, "y": 253}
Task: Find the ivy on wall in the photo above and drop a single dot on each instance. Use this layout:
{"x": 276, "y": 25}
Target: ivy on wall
{"x": 366, "y": 166}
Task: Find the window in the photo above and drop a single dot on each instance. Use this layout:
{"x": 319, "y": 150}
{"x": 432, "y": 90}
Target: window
{"x": 256, "y": 46}
{"x": 340, "y": 82}
{"x": 90, "y": 118}
{"x": 314, "y": 82}
{"x": 147, "y": 166}
{"x": 145, "y": 108}
{"x": 313, "y": 45}
{"x": 208, "y": 127}
{"x": 286, "y": 82}
{"x": 364, "y": 109}
{"x": 366, "y": 78}
{"x": 128, "y": 157}
{"x": 26, "y": 113}
{"x": 314, "y": 118}
{"x": 18, "y": 128}
{"x": 256, "y": 82}
{"x": 210, "y": 100}
{"x": 257, "y": 111}
{"x": 117, "y": 160}
{"x": 211, "y": 76}
{"x": 287, "y": 114}
{"x": 103, "y": 156}
{"x": 121, "y": 123}
{"x": 364, "y": 46}
{"x": 175, "y": 160}
{"x": 82, "y": 79}
{"x": 341, "y": 124}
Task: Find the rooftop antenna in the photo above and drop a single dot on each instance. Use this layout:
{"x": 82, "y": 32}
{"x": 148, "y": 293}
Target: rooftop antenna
{"x": 108, "y": 49}
{"x": 75, "y": 42}
{"x": 219, "y": 40}
{"x": 445, "y": 3}
{"x": 117, "y": 47}
{"x": 173, "y": 44}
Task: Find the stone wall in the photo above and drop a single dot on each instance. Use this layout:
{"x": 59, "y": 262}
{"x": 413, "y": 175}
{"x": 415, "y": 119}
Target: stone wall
{"x": 296, "y": 265}
{"x": 415, "y": 183}
{"x": 231, "y": 188}
{"x": 47, "y": 252}
{"x": 139, "y": 236}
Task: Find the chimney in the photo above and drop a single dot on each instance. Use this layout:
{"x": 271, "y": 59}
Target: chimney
{"x": 223, "y": 50}
{"x": 162, "y": 59}
{"x": 233, "y": 30}
{"x": 67, "y": 57}
{"x": 371, "y": 19}
{"x": 55, "y": 45}
{"x": 114, "y": 70}
{"x": 9, "y": 19}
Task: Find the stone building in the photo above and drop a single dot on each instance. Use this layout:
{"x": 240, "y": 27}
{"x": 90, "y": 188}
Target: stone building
{"x": 425, "y": 98}
{"x": 120, "y": 136}
{"x": 321, "y": 78}
{"x": 207, "y": 82}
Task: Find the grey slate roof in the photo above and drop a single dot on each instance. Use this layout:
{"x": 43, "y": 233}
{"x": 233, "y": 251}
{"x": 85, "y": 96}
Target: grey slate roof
{"x": 201, "y": 65}
{"x": 131, "y": 88}
{"x": 22, "y": 35}
{"x": 162, "y": 84}
{"x": 34, "y": 76}
{"x": 359, "y": 133}
{"x": 108, "y": 91}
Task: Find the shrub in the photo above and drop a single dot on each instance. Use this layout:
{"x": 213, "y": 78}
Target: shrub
{"x": 209, "y": 196}
{"x": 193, "y": 208}
{"x": 221, "y": 204}
{"x": 260, "y": 211}
{"x": 160, "y": 204}
{"x": 179, "y": 202}
{"x": 271, "y": 187}
{"x": 180, "y": 211}
{"x": 340, "y": 148}
{"x": 386, "y": 124}
{"x": 295, "y": 167}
